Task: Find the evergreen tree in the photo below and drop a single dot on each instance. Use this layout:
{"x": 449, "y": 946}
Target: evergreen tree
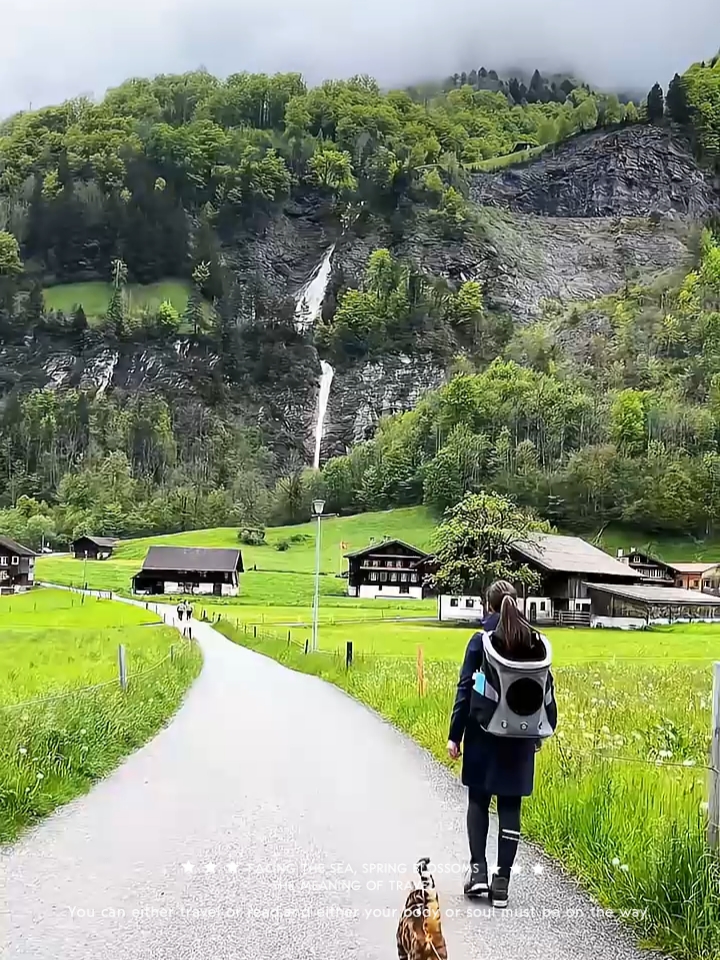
{"x": 115, "y": 314}
{"x": 676, "y": 101}
{"x": 655, "y": 104}
{"x": 34, "y": 309}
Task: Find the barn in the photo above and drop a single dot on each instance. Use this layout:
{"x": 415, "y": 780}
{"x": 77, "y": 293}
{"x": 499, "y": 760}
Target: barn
{"x": 190, "y": 570}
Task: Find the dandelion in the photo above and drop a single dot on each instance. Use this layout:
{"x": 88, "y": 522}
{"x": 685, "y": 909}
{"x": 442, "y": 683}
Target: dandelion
{"x": 22, "y": 751}
{"x": 616, "y": 861}
{"x": 83, "y": 731}
{"x": 41, "y": 776}
{"x": 605, "y": 730}
{"x": 625, "y": 868}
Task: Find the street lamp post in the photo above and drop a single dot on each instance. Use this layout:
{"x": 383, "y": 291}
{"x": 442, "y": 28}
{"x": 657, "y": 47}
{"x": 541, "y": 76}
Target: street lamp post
{"x": 318, "y": 507}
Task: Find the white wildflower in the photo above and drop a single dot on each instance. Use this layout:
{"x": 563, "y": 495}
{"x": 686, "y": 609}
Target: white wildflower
{"x": 605, "y": 730}
{"x": 625, "y": 868}
{"x": 83, "y": 731}
{"x": 616, "y": 861}
{"x": 41, "y": 776}
{"x": 689, "y": 762}
{"x": 22, "y": 751}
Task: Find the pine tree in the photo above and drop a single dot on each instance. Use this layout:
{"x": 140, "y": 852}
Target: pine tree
{"x": 676, "y": 101}
{"x": 115, "y": 315}
{"x": 655, "y": 104}
{"x": 34, "y": 306}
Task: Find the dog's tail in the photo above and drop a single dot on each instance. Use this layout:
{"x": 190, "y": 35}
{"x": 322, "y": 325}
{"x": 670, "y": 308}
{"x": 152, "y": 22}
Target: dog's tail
{"x": 426, "y": 878}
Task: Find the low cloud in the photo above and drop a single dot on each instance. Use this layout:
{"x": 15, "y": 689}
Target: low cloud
{"x": 52, "y": 49}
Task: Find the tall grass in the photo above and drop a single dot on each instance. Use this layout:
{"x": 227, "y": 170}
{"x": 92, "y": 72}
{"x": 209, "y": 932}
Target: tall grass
{"x": 608, "y": 804}
{"x": 56, "y": 736}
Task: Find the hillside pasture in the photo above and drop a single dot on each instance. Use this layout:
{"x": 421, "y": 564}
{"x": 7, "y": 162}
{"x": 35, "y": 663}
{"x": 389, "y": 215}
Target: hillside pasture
{"x": 94, "y": 296}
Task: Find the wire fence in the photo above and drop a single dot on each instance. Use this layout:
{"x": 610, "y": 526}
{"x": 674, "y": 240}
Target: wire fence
{"x": 172, "y": 656}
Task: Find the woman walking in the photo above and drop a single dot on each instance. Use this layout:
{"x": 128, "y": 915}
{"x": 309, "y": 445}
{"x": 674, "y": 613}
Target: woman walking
{"x": 499, "y": 766}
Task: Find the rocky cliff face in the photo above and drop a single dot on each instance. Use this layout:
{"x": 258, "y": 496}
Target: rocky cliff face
{"x": 573, "y": 225}
{"x": 635, "y": 172}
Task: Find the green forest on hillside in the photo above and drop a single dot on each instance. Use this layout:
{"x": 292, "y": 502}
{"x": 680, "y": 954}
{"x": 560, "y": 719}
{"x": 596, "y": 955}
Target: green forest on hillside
{"x": 153, "y": 180}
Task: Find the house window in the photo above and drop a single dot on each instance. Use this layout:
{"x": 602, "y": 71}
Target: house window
{"x": 469, "y": 602}
{"x": 14, "y": 561}
{"x": 404, "y": 588}
{"x": 414, "y": 577}
{"x": 373, "y": 576}
{"x": 453, "y": 601}
{"x": 3, "y": 561}
{"x": 404, "y": 577}
{"x": 383, "y": 577}
{"x": 695, "y": 583}
{"x": 542, "y": 606}
{"x": 393, "y": 577}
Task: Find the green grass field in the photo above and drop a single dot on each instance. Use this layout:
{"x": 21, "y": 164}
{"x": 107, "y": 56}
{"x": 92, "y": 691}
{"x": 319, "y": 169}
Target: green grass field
{"x": 608, "y": 804}
{"x": 95, "y": 296}
{"x": 54, "y": 644}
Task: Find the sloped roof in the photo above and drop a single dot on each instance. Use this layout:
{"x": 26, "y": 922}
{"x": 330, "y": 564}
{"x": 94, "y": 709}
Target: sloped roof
{"x": 98, "y": 541}
{"x": 699, "y": 568}
{"x": 656, "y": 594}
{"x": 562, "y": 554}
{"x": 208, "y": 559}
{"x": 14, "y": 547}
{"x": 373, "y": 547}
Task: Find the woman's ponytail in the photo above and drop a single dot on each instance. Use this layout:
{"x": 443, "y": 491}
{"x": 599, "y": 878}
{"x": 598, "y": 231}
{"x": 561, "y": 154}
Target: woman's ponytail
{"x": 515, "y": 628}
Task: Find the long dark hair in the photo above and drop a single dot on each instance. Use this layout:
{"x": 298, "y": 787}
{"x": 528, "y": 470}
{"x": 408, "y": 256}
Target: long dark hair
{"x": 517, "y": 632}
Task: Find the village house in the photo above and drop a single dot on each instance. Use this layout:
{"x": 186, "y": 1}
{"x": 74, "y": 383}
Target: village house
{"x": 190, "y": 570}
{"x": 17, "y": 566}
{"x": 93, "y": 548}
{"x": 650, "y": 568}
{"x": 691, "y": 576}
{"x": 389, "y": 569}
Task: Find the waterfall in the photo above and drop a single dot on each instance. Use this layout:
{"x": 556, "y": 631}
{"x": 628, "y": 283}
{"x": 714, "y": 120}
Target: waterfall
{"x": 311, "y": 296}
{"x": 325, "y": 381}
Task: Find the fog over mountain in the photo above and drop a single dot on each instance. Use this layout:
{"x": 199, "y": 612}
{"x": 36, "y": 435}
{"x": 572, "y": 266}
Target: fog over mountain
{"x": 54, "y": 49}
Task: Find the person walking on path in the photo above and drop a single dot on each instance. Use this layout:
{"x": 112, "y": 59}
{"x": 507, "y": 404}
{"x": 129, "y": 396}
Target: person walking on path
{"x": 180, "y": 610}
{"x": 499, "y": 766}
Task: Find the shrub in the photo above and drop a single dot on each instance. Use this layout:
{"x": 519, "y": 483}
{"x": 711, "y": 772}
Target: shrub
{"x": 252, "y": 536}
{"x": 282, "y": 546}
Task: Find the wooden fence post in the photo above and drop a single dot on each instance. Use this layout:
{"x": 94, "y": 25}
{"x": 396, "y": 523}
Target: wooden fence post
{"x": 288, "y": 643}
{"x": 348, "y": 654}
{"x": 307, "y": 642}
{"x": 122, "y": 667}
{"x": 254, "y": 631}
{"x": 421, "y": 672}
{"x": 714, "y": 801}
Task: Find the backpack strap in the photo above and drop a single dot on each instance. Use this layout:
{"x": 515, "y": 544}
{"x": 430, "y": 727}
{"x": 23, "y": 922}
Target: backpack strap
{"x": 490, "y": 692}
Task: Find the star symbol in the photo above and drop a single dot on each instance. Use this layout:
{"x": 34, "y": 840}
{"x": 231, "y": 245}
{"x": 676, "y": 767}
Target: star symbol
{"x": 538, "y": 869}
{"x": 210, "y": 868}
{"x": 232, "y": 868}
{"x": 188, "y": 867}
{"x": 517, "y": 869}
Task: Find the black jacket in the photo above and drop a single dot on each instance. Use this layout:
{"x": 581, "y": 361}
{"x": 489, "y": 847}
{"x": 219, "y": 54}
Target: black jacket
{"x": 502, "y": 766}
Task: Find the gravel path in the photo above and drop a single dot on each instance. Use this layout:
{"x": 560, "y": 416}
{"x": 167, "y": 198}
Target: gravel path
{"x": 272, "y": 818}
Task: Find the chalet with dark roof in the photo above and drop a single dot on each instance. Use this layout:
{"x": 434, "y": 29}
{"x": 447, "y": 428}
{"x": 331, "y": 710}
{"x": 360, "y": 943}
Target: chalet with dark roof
{"x": 17, "y": 566}
{"x": 190, "y": 570}
{"x": 390, "y": 569}
{"x": 93, "y": 548}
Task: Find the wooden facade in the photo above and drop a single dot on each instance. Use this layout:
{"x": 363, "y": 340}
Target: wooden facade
{"x": 389, "y": 569}
{"x": 17, "y": 566}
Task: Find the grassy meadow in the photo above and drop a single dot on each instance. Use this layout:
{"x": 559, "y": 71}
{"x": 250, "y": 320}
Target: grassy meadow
{"x": 620, "y": 791}
{"x": 95, "y": 295}
{"x": 57, "y": 739}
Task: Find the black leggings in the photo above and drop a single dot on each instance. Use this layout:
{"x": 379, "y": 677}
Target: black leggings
{"x": 478, "y": 823}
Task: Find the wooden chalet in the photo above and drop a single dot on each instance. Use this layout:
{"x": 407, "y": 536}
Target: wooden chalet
{"x": 190, "y": 570}
{"x": 389, "y": 569}
{"x": 93, "y": 548}
{"x": 650, "y": 568}
{"x": 17, "y": 566}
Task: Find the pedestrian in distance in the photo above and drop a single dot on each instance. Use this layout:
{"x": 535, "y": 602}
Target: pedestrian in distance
{"x": 180, "y": 611}
{"x": 188, "y": 611}
{"x": 500, "y": 763}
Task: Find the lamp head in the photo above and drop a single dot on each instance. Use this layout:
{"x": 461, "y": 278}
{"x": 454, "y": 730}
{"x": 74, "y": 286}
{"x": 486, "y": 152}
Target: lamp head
{"x": 318, "y": 507}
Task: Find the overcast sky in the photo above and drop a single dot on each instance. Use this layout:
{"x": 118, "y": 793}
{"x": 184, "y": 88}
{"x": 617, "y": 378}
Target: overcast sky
{"x": 54, "y": 49}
